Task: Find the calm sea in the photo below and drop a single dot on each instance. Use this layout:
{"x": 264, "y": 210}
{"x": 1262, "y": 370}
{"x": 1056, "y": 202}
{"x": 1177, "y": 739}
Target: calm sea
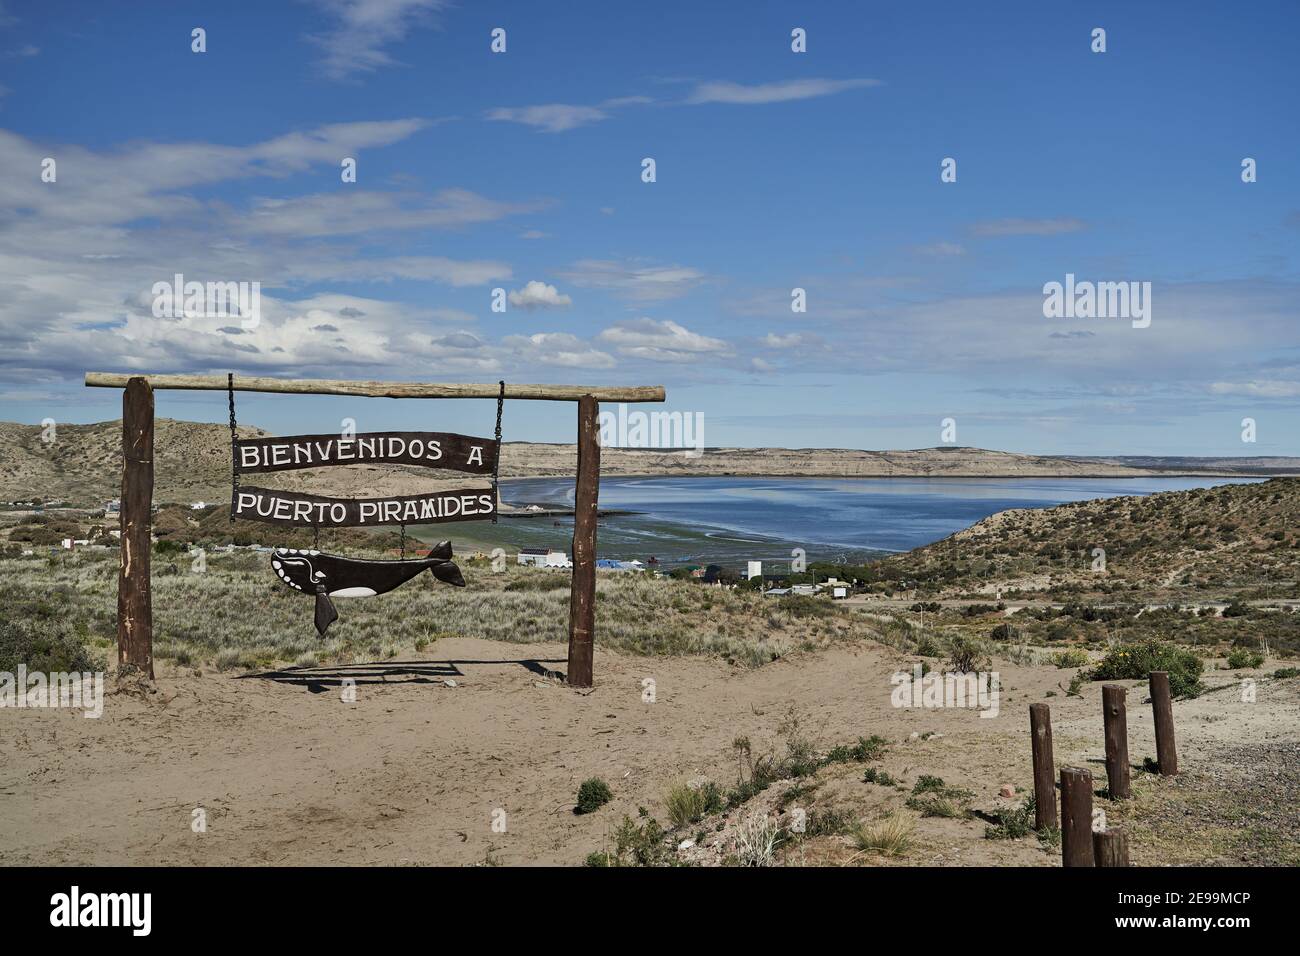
{"x": 731, "y": 520}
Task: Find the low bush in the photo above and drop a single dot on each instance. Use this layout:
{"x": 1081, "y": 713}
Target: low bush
{"x": 42, "y": 634}
{"x": 1240, "y": 657}
{"x": 689, "y": 804}
{"x": 1136, "y": 661}
{"x": 592, "y": 795}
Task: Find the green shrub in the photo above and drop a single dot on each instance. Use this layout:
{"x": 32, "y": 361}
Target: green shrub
{"x": 1283, "y": 672}
{"x": 931, "y": 797}
{"x": 41, "y": 633}
{"x": 928, "y": 784}
{"x": 878, "y": 776}
{"x": 1240, "y": 657}
{"x": 1136, "y": 661}
{"x": 1074, "y": 657}
{"x": 1013, "y": 822}
{"x": 867, "y": 748}
{"x": 967, "y": 654}
{"x": 687, "y": 804}
{"x": 592, "y": 795}
{"x": 927, "y": 646}
{"x": 636, "y": 844}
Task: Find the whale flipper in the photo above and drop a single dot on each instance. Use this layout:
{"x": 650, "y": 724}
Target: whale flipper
{"x": 440, "y": 550}
{"x": 448, "y": 573}
{"x": 325, "y": 612}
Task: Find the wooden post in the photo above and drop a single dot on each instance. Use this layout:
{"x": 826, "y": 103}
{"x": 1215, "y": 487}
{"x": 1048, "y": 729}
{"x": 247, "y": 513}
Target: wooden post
{"x": 1076, "y": 817}
{"x": 1040, "y": 730}
{"x": 1163, "y": 708}
{"x": 582, "y": 596}
{"x": 1115, "y": 717}
{"x": 134, "y": 604}
{"x": 1110, "y": 848}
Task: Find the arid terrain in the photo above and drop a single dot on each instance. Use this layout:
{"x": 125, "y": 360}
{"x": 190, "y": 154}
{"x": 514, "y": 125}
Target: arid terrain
{"x": 728, "y": 728}
{"x": 417, "y": 770}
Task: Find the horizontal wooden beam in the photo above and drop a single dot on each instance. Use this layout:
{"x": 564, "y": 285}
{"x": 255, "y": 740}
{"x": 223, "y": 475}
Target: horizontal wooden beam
{"x": 319, "y": 386}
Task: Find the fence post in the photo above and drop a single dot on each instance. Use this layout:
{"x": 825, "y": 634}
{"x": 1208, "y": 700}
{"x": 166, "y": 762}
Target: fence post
{"x": 1040, "y": 730}
{"x": 1076, "y": 817}
{"x": 1115, "y": 717}
{"x": 582, "y": 595}
{"x": 1110, "y": 847}
{"x": 1163, "y": 708}
{"x": 134, "y": 603}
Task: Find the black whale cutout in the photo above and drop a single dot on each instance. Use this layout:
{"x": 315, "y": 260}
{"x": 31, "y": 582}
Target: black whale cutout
{"x": 331, "y": 575}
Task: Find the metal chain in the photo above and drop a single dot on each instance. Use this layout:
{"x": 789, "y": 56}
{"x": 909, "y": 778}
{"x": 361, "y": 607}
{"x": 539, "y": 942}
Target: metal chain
{"x": 234, "y": 469}
{"x": 315, "y": 537}
{"x": 403, "y": 527}
{"x": 496, "y": 462}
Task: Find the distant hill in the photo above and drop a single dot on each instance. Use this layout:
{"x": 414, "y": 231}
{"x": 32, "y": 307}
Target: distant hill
{"x": 1237, "y": 540}
{"x": 1256, "y": 465}
{"x": 192, "y": 463}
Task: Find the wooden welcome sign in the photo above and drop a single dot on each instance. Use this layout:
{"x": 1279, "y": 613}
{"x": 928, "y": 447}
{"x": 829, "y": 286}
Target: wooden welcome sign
{"x": 332, "y": 575}
{"x": 421, "y": 449}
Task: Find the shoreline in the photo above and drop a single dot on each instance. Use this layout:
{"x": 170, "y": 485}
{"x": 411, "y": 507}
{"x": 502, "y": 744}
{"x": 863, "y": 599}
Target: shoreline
{"x": 1263, "y": 476}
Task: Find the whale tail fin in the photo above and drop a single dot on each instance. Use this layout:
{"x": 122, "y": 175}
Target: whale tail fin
{"x": 448, "y": 573}
{"x": 325, "y": 612}
{"x": 440, "y": 550}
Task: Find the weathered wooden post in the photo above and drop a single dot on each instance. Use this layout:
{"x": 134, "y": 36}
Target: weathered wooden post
{"x": 1110, "y": 847}
{"x": 1076, "y": 817}
{"x": 1040, "y": 730}
{"x": 1115, "y": 717}
{"x": 1163, "y": 708}
{"x": 134, "y": 603}
{"x": 582, "y": 597}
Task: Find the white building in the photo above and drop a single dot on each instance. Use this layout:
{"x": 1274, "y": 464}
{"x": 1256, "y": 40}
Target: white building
{"x": 755, "y": 570}
{"x": 544, "y": 558}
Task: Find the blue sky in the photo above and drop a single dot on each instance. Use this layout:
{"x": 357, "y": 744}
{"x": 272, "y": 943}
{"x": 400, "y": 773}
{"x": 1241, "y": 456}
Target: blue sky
{"x": 775, "y": 170}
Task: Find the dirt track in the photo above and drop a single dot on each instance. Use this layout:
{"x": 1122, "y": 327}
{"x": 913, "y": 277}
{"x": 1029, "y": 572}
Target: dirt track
{"x": 411, "y": 773}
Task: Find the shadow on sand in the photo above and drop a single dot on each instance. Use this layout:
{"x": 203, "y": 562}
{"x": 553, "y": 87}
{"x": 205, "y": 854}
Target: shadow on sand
{"x": 318, "y": 679}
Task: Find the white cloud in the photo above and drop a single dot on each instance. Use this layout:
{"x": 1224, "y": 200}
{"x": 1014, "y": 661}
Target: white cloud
{"x": 143, "y": 180}
{"x": 559, "y": 117}
{"x": 551, "y": 118}
{"x": 662, "y": 341}
{"x": 539, "y": 295}
{"x": 779, "y": 92}
{"x": 774, "y": 341}
{"x": 558, "y": 348}
{"x": 1258, "y": 389}
{"x": 642, "y": 283}
{"x": 1028, "y": 227}
{"x": 80, "y": 256}
{"x": 360, "y": 211}
{"x": 356, "y": 44}
{"x": 452, "y": 272}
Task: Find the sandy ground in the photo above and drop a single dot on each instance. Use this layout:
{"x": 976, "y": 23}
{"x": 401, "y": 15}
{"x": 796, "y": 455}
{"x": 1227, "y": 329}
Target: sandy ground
{"x": 413, "y": 771}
